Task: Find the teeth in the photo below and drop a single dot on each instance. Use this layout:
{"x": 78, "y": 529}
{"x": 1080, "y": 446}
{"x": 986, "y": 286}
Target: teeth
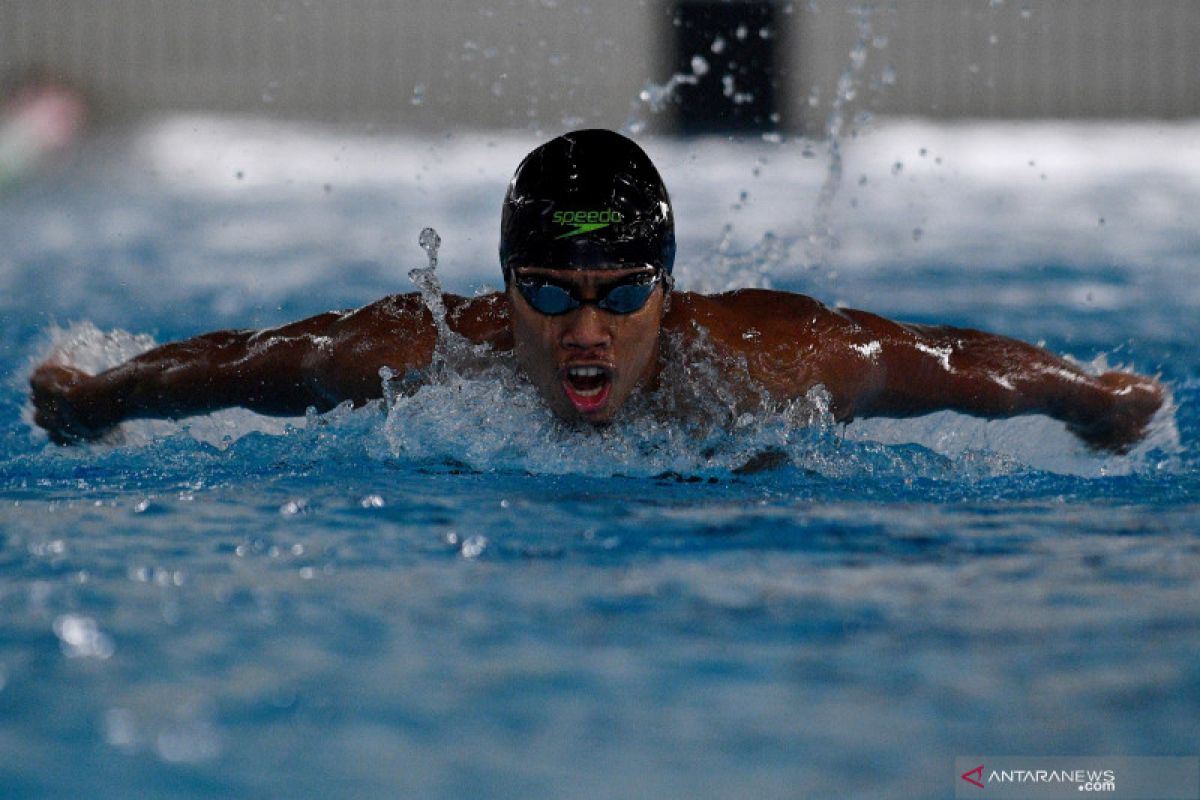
{"x": 585, "y": 372}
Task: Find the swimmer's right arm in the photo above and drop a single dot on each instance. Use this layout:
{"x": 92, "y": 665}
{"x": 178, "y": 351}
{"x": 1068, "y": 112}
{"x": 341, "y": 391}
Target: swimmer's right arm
{"x": 317, "y": 362}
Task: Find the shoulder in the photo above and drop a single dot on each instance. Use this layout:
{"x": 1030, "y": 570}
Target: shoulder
{"x": 483, "y": 320}
{"x": 731, "y": 315}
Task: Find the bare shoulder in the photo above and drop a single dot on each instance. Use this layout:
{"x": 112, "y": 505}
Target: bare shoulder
{"x": 786, "y": 342}
{"x": 747, "y": 315}
{"x": 404, "y": 318}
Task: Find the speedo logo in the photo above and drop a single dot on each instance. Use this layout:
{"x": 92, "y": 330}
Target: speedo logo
{"x": 585, "y": 221}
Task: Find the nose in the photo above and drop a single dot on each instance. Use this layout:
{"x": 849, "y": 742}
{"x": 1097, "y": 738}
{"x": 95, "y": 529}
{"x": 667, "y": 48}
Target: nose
{"x": 587, "y": 329}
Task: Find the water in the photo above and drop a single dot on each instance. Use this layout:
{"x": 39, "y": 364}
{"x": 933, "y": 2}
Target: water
{"x": 458, "y": 596}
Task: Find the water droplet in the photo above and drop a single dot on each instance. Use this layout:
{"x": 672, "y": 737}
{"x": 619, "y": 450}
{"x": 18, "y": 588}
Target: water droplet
{"x": 418, "y": 94}
{"x": 917, "y": 233}
{"x": 718, "y": 45}
{"x": 80, "y": 637}
{"x": 741, "y": 32}
{"x": 474, "y": 546}
{"x": 120, "y": 728}
{"x": 293, "y": 507}
{"x": 189, "y": 741}
{"x": 897, "y": 168}
{"x": 699, "y": 66}
{"x": 888, "y": 76}
{"x": 430, "y": 242}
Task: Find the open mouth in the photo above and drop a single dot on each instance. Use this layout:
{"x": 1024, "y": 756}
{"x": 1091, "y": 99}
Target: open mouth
{"x": 587, "y": 387}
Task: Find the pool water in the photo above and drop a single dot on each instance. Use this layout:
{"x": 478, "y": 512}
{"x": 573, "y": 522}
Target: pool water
{"x": 457, "y": 596}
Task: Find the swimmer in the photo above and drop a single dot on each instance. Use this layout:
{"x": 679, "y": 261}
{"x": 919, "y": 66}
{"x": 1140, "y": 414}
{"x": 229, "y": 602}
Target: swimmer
{"x": 587, "y": 247}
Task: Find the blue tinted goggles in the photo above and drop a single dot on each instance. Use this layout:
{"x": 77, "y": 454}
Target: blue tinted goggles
{"x": 625, "y": 297}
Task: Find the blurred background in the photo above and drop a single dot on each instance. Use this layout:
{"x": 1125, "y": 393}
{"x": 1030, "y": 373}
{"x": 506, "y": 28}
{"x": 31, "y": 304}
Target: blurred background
{"x": 547, "y": 64}
{"x": 250, "y": 149}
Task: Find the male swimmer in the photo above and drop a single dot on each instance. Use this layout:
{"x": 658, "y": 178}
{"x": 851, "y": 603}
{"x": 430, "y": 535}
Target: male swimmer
{"x": 587, "y": 246}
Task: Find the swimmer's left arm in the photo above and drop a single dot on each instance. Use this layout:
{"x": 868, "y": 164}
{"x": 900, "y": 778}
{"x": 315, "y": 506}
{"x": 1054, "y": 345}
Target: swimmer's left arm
{"x": 923, "y": 368}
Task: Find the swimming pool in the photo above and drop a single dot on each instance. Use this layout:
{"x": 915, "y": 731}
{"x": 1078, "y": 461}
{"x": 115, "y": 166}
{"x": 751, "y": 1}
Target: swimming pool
{"x": 460, "y": 598}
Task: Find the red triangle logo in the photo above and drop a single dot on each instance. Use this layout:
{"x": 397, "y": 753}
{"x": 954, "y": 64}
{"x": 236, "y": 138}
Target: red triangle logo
{"x": 978, "y": 779}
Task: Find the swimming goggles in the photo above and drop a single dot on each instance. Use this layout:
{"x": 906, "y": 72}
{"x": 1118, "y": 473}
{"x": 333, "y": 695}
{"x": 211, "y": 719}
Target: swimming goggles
{"x": 553, "y": 299}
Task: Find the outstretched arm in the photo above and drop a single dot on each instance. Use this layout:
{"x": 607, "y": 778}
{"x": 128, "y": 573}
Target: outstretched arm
{"x": 320, "y": 362}
{"x": 925, "y": 368}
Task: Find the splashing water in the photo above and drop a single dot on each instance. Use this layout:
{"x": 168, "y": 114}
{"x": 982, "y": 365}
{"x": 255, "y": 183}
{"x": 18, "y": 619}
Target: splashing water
{"x": 493, "y": 420}
{"x": 658, "y": 95}
{"x": 427, "y": 282}
{"x": 822, "y": 240}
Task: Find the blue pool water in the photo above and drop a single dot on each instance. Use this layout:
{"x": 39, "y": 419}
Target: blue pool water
{"x": 458, "y": 598}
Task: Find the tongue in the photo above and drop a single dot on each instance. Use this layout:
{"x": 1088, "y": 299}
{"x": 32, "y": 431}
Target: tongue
{"x": 587, "y": 394}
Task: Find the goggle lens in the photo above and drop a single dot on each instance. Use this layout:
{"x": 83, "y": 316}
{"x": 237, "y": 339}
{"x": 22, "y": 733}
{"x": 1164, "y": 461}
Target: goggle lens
{"x": 551, "y": 299}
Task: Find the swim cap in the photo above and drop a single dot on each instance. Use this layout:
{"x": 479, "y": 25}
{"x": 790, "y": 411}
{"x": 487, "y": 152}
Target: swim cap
{"x": 588, "y": 199}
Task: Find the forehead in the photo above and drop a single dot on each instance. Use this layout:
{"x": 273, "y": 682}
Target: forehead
{"x": 583, "y": 277}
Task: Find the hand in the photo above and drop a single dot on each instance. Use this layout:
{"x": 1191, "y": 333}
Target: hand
{"x": 1132, "y": 401}
{"x": 55, "y": 393}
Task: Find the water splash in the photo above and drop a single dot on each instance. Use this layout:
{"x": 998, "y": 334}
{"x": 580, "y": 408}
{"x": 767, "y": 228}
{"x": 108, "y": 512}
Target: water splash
{"x": 495, "y": 420}
{"x": 822, "y": 241}
{"x": 427, "y": 282}
{"x": 728, "y": 267}
{"x": 657, "y": 95}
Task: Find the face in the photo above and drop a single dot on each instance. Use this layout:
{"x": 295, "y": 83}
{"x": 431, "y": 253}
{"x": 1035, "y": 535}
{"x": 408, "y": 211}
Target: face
{"x": 588, "y": 361}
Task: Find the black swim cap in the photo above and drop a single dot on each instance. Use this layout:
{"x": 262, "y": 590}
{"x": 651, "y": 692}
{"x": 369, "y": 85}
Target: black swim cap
{"x": 588, "y": 199}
